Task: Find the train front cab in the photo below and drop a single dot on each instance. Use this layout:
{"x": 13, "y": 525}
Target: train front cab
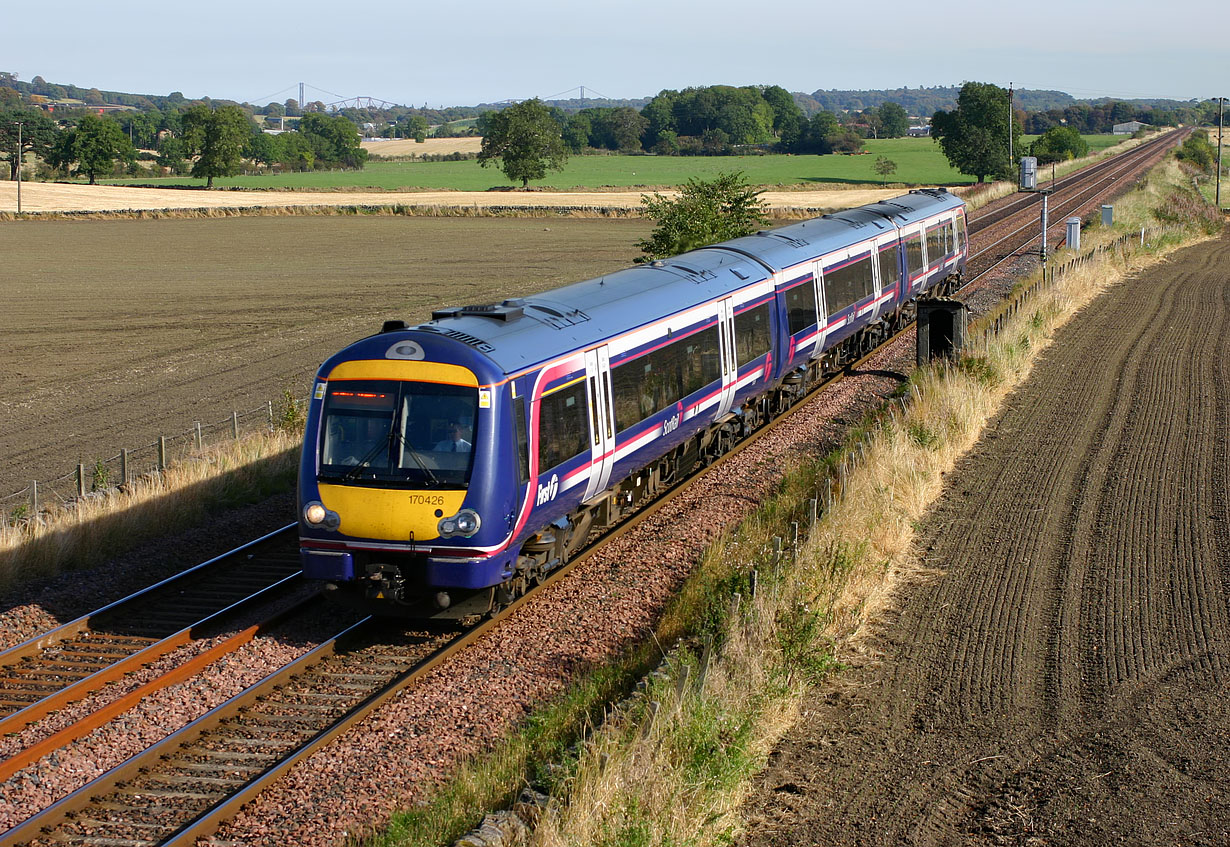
{"x": 406, "y": 481}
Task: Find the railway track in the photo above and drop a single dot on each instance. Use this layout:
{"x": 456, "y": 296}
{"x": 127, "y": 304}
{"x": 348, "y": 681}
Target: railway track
{"x": 185, "y": 786}
{"x": 1031, "y": 201}
{"x": 1018, "y": 219}
{"x": 75, "y": 660}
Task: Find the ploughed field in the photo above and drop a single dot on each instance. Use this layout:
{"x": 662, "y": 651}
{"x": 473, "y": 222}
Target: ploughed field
{"x": 1058, "y": 670}
{"x": 114, "y": 332}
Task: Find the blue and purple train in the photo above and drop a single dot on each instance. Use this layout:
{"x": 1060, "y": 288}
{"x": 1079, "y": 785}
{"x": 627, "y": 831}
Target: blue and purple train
{"x": 449, "y": 466}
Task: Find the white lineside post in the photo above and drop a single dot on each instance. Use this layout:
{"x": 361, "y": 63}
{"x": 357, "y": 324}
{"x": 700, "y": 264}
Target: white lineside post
{"x": 1045, "y": 221}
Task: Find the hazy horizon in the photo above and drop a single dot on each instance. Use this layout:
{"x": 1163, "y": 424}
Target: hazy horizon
{"x": 547, "y": 48}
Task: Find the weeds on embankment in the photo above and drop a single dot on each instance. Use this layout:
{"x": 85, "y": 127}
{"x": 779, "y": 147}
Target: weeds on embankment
{"x": 88, "y": 530}
{"x": 672, "y": 763}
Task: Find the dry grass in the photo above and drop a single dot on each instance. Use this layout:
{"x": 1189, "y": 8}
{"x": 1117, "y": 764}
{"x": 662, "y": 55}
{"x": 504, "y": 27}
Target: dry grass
{"x": 88, "y": 530}
{"x": 682, "y": 778}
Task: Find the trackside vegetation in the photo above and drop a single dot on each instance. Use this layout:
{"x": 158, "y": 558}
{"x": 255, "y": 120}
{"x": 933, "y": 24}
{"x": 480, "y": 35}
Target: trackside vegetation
{"x": 671, "y": 762}
{"x": 87, "y": 531}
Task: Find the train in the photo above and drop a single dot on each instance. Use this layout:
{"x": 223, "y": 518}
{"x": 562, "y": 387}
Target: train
{"x": 449, "y": 467}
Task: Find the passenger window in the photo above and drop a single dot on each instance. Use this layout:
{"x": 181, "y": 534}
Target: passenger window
{"x": 890, "y": 273}
{"x": 801, "y": 306}
{"x": 752, "y": 334}
{"x": 846, "y": 284}
{"x": 563, "y": 425}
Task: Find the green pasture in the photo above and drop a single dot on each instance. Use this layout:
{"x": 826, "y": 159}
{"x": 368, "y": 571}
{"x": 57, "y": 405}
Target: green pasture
{"x": 919, "y": 162}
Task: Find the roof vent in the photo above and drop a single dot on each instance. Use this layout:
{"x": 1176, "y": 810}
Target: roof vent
{"x": 495, "y": 311}
{"x": 555, "y": 314}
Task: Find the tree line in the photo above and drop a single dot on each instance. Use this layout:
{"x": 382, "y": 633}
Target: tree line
{"x": 200, "y": 141}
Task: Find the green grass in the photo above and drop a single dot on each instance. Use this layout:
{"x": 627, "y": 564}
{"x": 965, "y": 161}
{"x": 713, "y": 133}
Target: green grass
{"x": 919, "y": 162}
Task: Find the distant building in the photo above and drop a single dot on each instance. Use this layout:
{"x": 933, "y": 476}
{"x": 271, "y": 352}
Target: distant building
{"x": 1128, "y": 128}
{"x": 919, "y": 131}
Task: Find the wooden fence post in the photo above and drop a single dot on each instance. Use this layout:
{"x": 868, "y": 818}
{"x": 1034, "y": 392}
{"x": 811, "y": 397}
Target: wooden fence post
{"x": 235, "y": 424}
{"x": 199, "y": 443}
{"x": 162, "y": 452}
{"x": 34, "y": 499}
{"x": 123, "y": 467}
{"x": 80, "y": 480}
{"x": 270, "y": 404}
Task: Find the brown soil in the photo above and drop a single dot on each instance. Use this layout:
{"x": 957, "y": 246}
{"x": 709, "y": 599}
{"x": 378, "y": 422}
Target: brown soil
{"x": 1058, "y": 672}
{"x": 116, "y": 332}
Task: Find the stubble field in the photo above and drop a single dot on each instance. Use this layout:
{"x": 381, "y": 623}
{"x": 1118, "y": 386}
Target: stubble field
{"x": 117, "y": 331}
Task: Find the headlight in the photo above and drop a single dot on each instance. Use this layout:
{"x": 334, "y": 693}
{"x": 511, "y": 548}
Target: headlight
{"x": 315, "y": 514}
{"x": 465, "y": 523}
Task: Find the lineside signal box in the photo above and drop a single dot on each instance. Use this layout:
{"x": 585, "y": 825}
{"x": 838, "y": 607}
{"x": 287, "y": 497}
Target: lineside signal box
{"x": 1029, "y": 173}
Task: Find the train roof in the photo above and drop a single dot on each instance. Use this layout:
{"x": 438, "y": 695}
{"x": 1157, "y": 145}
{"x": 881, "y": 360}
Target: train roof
{"x": 582, "y": 314}
{"x": 794, "y": 244}
{"x": 511, "y": 333}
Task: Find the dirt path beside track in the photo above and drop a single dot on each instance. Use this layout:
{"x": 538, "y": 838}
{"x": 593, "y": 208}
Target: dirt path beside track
{"x": 1059, "y": 670}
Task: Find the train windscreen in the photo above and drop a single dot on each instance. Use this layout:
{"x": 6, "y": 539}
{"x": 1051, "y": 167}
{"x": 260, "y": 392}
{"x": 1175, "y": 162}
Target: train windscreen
{"x": 397, "y": 434}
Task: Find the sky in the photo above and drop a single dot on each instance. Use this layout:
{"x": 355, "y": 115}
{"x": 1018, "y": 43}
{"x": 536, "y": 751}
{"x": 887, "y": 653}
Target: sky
{"x": 486, "y": 51}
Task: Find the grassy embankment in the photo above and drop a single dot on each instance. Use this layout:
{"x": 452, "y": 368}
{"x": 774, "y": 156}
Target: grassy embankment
{"x": 84, "y": 532}
{"x": 680, "y": 777}
{"x": 919, "y": 162}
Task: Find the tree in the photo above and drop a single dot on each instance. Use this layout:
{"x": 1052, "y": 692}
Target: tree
{"x": 172, "y": 155}
{"x": 704, "y": 212}
{"x": 577, "y": 130}
{"x": 416, "y": 128}
{"x": 217, "y": 139}
{"x": 525, "y": 139}
{"x": 1058, "y": 144}
{"x": 974, "y": 136}
{"x": 885, "y": 166}
{"x": 894, "y": 122}
{"x": 38, "y": 132}
{"x": 93, "y": 145}
{"x": 334, "y": 141}
{"x": 787, "y": 116}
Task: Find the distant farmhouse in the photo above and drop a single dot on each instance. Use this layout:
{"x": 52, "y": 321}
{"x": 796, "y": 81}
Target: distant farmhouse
{"x": 1128, "y": 128}
{"x": 919, "y": 131}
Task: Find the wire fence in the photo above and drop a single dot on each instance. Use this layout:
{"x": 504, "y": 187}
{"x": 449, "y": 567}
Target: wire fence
{"x": 104, "y": 476}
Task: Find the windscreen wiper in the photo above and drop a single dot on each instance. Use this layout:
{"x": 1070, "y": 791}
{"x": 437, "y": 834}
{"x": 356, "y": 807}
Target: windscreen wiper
{"x": 354, "y": 472}
{"x": 418, "y": 460}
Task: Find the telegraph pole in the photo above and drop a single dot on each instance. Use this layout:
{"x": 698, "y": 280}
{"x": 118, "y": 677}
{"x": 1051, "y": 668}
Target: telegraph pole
{"x": 1011, "y": 161}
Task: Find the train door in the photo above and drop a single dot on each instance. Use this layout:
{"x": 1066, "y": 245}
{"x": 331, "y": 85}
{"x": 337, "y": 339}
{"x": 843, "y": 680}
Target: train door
{"x": 601, "y": 420}
{"x": 877, "y": 282}
{"x": 821, "y": 306}
{"x": 730, "y": 356}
